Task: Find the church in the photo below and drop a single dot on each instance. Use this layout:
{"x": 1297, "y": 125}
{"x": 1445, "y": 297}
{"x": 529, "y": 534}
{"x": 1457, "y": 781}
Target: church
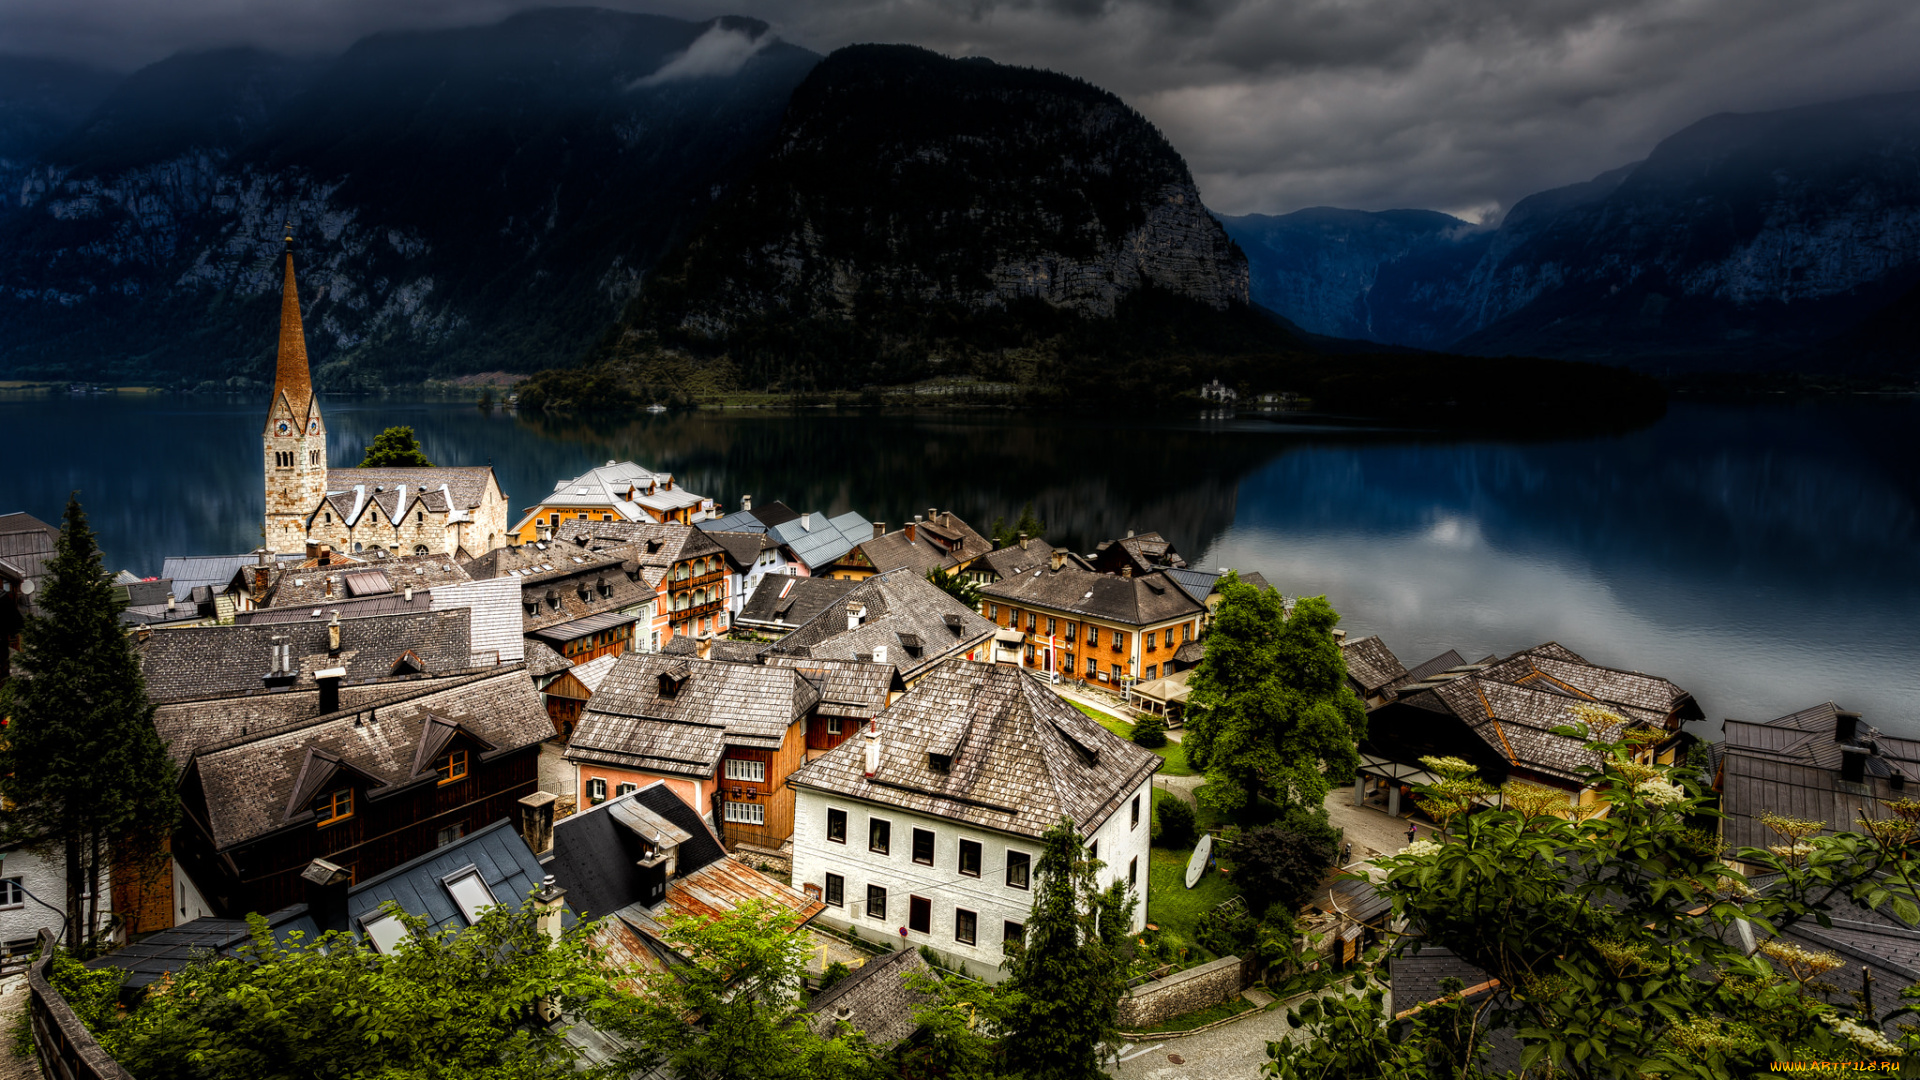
{"x": 458, "y": 511}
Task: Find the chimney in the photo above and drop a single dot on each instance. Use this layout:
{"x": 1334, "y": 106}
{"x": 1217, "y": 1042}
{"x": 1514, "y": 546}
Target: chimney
{"x": 806, "y": 522}
{"x": 329, "y": 681}
{"x": 264, "y": 557}
{"x": 545, "y": 532}
{"x": 1339, "y": 637}
{"x": 548, "y": 902}
{"x": 313, "y": 552}
{"x": 333, "y": 635}
{"x": 704, "y": 647}
{"x": 1129, "y": 534}
{"x": 1846, "y": 725}
{"x": 879, "y": 529}
{"x": 1058, "y": 559}
{"x": 873, "y": 750}
{"x": 746, "y": 503}
{"x": 856, "y": 614}
{"x": 1023, "y": 541}
{"x": 946, "y": 518}
{"x": 879, "y": 654}
{"x": 326, "y": 886}
{"x": 1853, "y": 763}
{"x": 535, "y": 820}
{"x": 932, "y": 514}
{"x": 326, "y": 586}
{"x": 326, "y": 555}
{"x": 1127, "y": 571}
{"x": 169, "y": 601}
{"x": 912, "y": 533}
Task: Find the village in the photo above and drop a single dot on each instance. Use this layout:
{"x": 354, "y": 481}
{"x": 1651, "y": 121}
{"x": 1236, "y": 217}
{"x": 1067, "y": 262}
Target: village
{"x": 625, "y": 704}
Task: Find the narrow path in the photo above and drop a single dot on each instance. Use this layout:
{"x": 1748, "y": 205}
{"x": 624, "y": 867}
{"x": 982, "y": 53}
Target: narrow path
{"x": 13, "y": 1002}
{"x": 1234, "y": 1051}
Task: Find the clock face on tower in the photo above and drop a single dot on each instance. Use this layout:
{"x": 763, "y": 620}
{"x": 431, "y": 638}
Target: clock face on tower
{"x": 313, "y": 427}
{"x": 282, "y": 428}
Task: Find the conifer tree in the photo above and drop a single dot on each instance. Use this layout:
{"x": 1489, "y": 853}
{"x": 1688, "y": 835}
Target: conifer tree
{"x": 1071, "y": 968}
{"x": 81, "y": 763}
{"x": 395, "y": 447}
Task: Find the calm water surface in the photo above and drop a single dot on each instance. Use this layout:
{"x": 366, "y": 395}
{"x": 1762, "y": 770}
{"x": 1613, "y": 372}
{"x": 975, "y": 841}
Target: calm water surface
{"x": 1765, "y": 556}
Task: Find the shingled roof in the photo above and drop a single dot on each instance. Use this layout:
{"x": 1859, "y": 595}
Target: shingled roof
{"x": 878, "y": 1000}
{"x": 743, "y": 548}
{"x": 633, "y": 720}
{"x": 1145, "y": 552}
{"x": 649, "y": 544}
{"x": 1135, "y": 601}
{"x": 783, "y": 601}
{"x": 466, "y": 485}
{"x": 594, "y": 587}
{"x": 1371, "y": 666}
{"x": 733, "y": 652}
{"x": 1020, "y": 758}
{"x": 943, "y": 540}
{"x": 268, "y": 779}
{"x": 848, "y": 688}
{"x": 221, "y": 661}
{"x": 899, "y": 613}
{"x": 1015, "y": 559}
{"x": 309, "y": 587}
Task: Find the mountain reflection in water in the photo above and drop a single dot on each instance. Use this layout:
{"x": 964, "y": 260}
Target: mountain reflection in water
{"x": 1764, "y": 556}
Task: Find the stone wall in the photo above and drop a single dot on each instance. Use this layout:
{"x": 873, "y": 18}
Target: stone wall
{"x": 66, "y": 1049}
{"x": 1185, "y": 992}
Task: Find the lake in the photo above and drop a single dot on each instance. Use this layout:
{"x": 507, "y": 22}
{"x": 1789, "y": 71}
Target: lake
{"x": 1765, "y": 556}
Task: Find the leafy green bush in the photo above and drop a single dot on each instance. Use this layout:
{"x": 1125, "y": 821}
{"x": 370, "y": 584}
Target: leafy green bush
{"x": 1150, "y": 732}
{"x": 1279, "y": 866}
{"x": 835, "y": 972}
{"x": 1174, "y": 818}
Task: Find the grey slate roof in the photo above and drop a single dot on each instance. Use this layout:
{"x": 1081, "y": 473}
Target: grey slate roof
{"x": 817, "y": 540}
{"x": 1791, "y": 766}
{"x": 743, "y": 548}
{"x": 732, "y": 652}
{"x": 1446, "y": 661}
{"x": 1021, "y": 758}
{"x": 467, "y": 484}
{"x": 1371, "y": 666}
{"x": 1416, "y": 977}
{"x": 220, "y": 661}
{"x": 595, "y": 853}
{"x": 266, "y": 780}
{"x": 1145, "y": 552}
{"x": 781, "y": 600}
{"x": 596, "y": 586}
{"x": 192, "y": 725}
{"x": 1136, "y": 601}
{"x": 630, "y": 723}
{"x": 942, "y": 540}
{"x": 360, "y": 608}
{"x": 301, "y": 586}
{"x": 169, "y": 951}
{"x": 848, "y": 688}
{"x": 510, "y": 869}
{"x": 521, "y": 560}
{"x": 876, "y": 999}
{"x": 738, "y": 521}
{"x": 898, "y": 605}
{"x": 1013, "y": 559}
{"x": 542, "y": 661}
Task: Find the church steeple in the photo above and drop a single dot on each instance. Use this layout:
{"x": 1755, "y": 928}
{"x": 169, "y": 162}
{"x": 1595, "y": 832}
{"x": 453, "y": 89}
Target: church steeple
{"x": 295, "y": 440}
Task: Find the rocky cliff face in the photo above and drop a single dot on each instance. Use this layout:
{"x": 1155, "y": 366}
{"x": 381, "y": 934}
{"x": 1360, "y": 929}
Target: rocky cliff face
{"x": 1741, "y": 240}
{"x": 463, "y": 200}
{"x": 904, "y": 184}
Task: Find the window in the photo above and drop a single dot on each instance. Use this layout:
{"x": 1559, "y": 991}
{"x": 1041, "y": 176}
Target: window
{"x": 965, "y": 926}
{"x": 1114, "y": 669}
{"x": 1093, "y": 637}
{"x": 1149, "y": 645}
{"x": 337, "y": 807}
{"x": 624, "y": 789}
{"x": 970, "y": 858}
{"x": 747, "y": 813}
{"x": 1033, "y": 622}
{"x": 1093, "y": 667}
{"x": 469, "y": 892}
{"x": 1093, "y": 851}
{"x": 385, "y": 929}
{"x": 833, "y": 725}
{"x": 1153, "y": 671}
{"x": 837, "y": 826}
{"x": 1018, "y": 863}
{"x": 1030, "y": 656}
{"x": 1186, "y": 631}
{"x": 920, "y": 914}
{"x": 993, "y": 612}
{"x": 1011, "y": 932}
{"x": 923, "y": 846}
{"x": 1072, "y": 628}
{"x": 879, "y": 836}
{"x": 940, "y": 763}
{"x": 1049, "y": 627}
{"x": 420, "y": 549}
{"x": 836, "y": 890}
{"x": 1136, "y": 813}
{"x": 1013, "y": 618}
{"x": 451, "y": 766}
{"x": 1133, "y": 870}
{"x": 596, "y": 790}
{"x": 876, "y": 902}
{"x": 11, "y": 894}
{"x": 744, "y": 769}
{"x": 449, "y": 834}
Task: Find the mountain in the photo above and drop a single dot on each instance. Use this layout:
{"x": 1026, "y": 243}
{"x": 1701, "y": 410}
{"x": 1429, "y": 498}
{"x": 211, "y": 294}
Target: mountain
{"x": 41, "y": 100}
{"x": 1741, "y": 241}
{"x": 463, "y": 200}
{"x": 919, "y": 214}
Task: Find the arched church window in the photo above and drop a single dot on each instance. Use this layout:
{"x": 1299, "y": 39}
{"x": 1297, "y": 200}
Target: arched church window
{"x": 420, "y": 549}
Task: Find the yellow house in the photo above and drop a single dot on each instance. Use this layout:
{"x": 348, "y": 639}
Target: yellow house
{"x": 616, "y": 491}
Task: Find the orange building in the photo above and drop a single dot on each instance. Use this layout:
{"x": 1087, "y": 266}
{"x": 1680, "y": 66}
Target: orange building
{"x": 1104, "y": 628}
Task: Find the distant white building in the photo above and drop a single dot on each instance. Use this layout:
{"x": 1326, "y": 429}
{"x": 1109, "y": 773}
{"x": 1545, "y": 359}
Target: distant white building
{"x": 929, "y": 827}
{"x": 616, "y": 491}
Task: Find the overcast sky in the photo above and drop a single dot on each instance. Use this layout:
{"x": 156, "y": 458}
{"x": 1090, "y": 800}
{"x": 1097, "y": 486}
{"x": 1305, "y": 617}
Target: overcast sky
{"x": 1457, "y": 105}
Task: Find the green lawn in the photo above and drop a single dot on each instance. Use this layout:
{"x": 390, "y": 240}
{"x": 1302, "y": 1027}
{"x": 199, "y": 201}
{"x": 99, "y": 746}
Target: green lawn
{"x": 1174, "y": 908}
{"x": 1172, "y": 754}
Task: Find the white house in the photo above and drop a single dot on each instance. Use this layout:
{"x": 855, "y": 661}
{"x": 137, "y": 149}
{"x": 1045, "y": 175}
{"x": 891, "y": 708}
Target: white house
{"x": 33, "y": 895}
{"x": 928, "y": 828}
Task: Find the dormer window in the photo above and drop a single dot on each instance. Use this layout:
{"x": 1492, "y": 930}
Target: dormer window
{"x": 337, "y": 806}
{"x": 940, "y": 763}
{"x": 451, "y": 766}
{"x": 669, "y": 686}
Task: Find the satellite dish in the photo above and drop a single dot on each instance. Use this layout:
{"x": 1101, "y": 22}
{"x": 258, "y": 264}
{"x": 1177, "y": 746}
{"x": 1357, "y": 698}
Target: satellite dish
{"x": 26, "y": 587}
{"x": 1197, "y": 865}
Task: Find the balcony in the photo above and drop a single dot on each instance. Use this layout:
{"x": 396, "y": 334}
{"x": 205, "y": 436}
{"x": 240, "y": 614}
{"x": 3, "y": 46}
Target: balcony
{"x": 698, "y": 610}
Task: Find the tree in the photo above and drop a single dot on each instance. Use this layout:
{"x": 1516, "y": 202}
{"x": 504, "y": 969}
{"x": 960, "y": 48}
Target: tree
{"x": 81, "y": 763}
{"x": 735, "y": 1012}
{"x": 1177, "y": 828}
{"x": 1275, "y": 865}
{"x": 955, "y": 586}
{"x": 451, "y": 1004}
{"x": 1616, "y": 937}
{"x": 1270, "y": 713}
{"x": 1071, "y": 966}
{"x": 1005, "y": 536}
{"x": 1150, "y": 732}
{"x": 395, "y": 447}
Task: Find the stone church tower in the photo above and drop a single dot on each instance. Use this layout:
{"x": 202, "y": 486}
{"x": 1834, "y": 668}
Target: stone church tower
{"x": 295, "y": 440}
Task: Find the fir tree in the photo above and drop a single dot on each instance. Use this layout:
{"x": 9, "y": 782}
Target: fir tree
{"x": 81, "y": 762}
{"x": 1071, "y": 968}
{"x": 955, "y": 586}
{"x": 395, "y": 447}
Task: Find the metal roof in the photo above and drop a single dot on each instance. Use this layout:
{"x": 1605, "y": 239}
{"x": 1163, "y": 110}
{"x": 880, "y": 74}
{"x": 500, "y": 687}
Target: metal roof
{"x": 579, "y": 628}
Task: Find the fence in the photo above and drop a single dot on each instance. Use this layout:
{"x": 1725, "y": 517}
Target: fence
{"x": 67, "y": 1051}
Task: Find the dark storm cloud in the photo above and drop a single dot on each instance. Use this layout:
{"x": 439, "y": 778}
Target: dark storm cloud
{"x": 1463, "y": 105}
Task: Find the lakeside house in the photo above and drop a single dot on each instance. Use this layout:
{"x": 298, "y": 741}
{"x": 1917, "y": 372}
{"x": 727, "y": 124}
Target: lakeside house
{"x": 1089, "y": 626}
{"x": 689, "y": 572}
{"x": 939, "y": 540}
{"x": 928, "y": 826}
{"x": 616, "y": 491}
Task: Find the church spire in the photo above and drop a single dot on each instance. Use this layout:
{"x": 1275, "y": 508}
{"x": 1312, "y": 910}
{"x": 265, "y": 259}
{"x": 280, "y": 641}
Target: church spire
{"x": 290, "y": 374}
